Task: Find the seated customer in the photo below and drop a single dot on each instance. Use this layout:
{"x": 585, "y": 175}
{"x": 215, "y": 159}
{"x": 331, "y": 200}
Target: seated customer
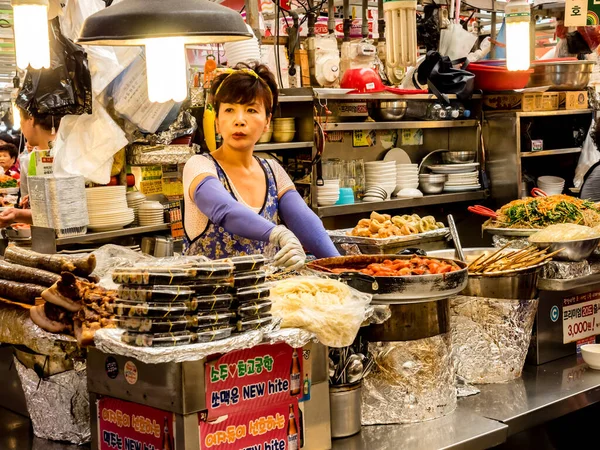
{"x": 8, "y": 160}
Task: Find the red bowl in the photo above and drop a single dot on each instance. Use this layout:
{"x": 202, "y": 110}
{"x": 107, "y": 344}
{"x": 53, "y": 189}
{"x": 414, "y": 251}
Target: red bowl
{"x": 494, "y": 79}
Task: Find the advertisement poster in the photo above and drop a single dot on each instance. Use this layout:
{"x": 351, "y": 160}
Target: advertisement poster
{"x": 253, "y": 378}
{"x": 124, "y": 425}
{"x": 581, "y": 317}
{"x": 271, "y": 428}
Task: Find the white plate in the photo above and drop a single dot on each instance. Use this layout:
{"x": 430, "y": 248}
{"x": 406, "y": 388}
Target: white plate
{"x": 110, "y": 227}
{"x": 462, "y": 188}
{"x": 462, "y": 183}
{"x": 398, "y": 155}
{"x": 330, "y": 91}
{"x": 454, "y": 168}
{"x": 372, "y": 199}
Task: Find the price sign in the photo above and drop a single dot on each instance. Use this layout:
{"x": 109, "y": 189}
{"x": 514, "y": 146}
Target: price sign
{"x": 576, "y": 12}
{"x": 581, "y": 317}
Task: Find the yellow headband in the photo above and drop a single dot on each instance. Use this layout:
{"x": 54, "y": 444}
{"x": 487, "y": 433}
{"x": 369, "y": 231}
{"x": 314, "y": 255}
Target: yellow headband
{"x": 246, "y": 71}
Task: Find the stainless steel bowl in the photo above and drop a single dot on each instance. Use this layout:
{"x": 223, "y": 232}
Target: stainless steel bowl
{"x": 561, "y": 76}
{"x": 458, "y": 157}
{"x": 430, "y": 187}
{"x": 388, "y": 110}
{"x": 520, "y": 284}
{"x": 573, "y": 250}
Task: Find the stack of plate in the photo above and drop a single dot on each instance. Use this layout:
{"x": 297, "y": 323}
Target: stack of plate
{"x": 151, "y": 213}
{"x": 242, "y": 51}
{"x": 381, "y": 174}
{"x": 407, "y": 176}
{"x": 107, "y": 208}
{"x": 329, "y": 193}
{"x": 375, "y": 194}
{"x": 551, "y": 185}
{"x": 284, "y": 129}
{"x": 459, "y": 182}
{"x": 134, "y": 201}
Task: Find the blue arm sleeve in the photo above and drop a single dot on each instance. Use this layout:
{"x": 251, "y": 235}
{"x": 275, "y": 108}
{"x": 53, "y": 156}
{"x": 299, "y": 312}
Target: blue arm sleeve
{"x": 305, "y": 224}
{"x": 223, "y": 210}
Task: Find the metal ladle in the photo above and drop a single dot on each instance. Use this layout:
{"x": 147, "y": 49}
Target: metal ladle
{"x": 456, "y": 238}
{"x": 354, "y": 372}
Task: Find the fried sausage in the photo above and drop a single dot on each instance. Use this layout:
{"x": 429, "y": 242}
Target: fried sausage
{"x": 16, "y": 272}
{"x": 79, "y": 265}
{"x": 20, "y": 292}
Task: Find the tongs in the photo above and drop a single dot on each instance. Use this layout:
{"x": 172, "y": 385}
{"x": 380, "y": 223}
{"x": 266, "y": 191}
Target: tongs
{"x": 483, "y": 211}
{"x": 537, "y": 192}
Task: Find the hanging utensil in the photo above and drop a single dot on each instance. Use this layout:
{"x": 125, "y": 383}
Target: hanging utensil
{"x": 537, "y": 192}
{"x": 455, "y": 238}
{"x": 355, "y": 370}
{"x": 483, "y": 211}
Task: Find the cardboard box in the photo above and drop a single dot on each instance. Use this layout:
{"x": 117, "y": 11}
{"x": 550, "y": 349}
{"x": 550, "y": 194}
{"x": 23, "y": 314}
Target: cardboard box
{"x": 547, "y": 101}
{"x": 534, "y": 101}
{"x": 574, "y": 100}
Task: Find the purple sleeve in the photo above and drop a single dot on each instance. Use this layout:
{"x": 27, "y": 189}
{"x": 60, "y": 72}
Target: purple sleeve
{"x": 223, "y": 210}
{"x": 305, "y": 224}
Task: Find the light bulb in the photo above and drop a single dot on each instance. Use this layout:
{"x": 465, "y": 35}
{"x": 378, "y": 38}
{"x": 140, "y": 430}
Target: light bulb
{"x": 2, "y": 126}
{"x": 166, "y": 69}
{"x": 31, "y": 35}
{"x": 16, "y": 117}
{"x": 518, "y": 15}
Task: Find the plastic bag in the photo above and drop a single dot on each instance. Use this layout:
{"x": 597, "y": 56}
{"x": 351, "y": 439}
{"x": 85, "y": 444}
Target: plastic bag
{"x": 438, "y": 73}
{"x": 64, "y": 88}
{"x": 428, "y": 32}
{"x": 86, "y": 144}
{"x": 456, "y": 42}
{"x": 326, "y": 307}
{"x": 589, "y": 156}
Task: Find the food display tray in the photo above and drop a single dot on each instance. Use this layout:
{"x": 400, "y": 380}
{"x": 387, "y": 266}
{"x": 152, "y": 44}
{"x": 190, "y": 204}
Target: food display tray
{"x": 215, "y": 302}
{"x": 254, "y": 324}
{"x": 155, "y": 293}
{"x": 245, "y": 279}
{"x": 370, "y": 246}
{"x": 516, "y": 232}
{"x": 158, "y": 339}
{"x": 155, "y": 325}
{"x": 248, "y": 263}
{"x": 213, "y": 335}
{"x": 162, "y": 310}
{"x": 255, "y": 309}
{"x": 252, "y": 293}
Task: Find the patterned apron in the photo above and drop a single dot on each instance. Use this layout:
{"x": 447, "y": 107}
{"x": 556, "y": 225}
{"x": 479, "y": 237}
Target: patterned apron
{"x": 216, "y": 243}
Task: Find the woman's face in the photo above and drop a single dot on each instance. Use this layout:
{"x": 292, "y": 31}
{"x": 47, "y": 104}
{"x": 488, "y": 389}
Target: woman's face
{"x": 6, "y": 161}
{"x": 241, "y": 125}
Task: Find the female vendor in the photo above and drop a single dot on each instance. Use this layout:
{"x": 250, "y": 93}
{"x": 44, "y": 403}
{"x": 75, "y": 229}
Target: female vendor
{"x": 234, "y": 201}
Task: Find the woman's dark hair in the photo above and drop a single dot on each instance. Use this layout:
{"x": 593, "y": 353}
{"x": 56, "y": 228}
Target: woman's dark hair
{"x": 45, "y": 121}
{"x": 11, "y": 149}
{"x": 243, "y": 87}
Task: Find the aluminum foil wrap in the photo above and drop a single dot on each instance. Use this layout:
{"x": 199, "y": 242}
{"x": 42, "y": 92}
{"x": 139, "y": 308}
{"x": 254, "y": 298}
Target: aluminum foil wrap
{"x": 490, "y": 337}
{"x": 464, "y": 389}
{"x": 374, "y": 246}
{"x": 564, "y": 270}
{"x": 109, "y": 341}
{"x": 294, "y": 337}
{"x": 160, "y": 155}
{"x": 17, "y": 328}
{"x": 411, "y": 381}
{"x": 517, "y": 242}
{"x": 58, "y": 406}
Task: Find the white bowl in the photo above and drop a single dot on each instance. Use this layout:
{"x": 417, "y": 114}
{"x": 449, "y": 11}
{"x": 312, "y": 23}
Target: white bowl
{"x": 401, "y": 165}
{"x": 591, "y": 355}
{"x": 546, "y": 179}
{"x": 151, "y": 206}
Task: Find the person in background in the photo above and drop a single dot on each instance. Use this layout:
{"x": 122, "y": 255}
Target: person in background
{"x": 40, "y": 133}
{"x": 234, "y": 201}
{"x": 8, "y": 160}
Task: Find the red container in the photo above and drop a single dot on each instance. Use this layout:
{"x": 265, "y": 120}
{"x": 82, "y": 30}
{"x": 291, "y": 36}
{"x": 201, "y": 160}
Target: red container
{"x": 495, "y": 79}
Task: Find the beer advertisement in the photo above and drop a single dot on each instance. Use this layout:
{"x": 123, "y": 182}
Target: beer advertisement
{"x": 253, "y": 378}
{"x": 271, "y": 428}
{"x": 124, "y": 425}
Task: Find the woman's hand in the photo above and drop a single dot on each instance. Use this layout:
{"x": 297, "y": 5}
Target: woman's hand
{"x": 8, "y": 217}
{"x": 291, "y": 256}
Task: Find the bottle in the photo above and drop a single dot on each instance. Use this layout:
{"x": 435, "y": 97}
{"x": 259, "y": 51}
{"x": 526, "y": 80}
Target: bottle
{"x": 166, "y": 443}
{"x": 463, "y": 113}
{"x": 417, "y": 110}
{"x": 306, "y": 386}
{"x": 295, "y": 374}
{"x": 436, "y": 112}
{"x": 301, "y": 426}
{"x": 451, "y": 113}
{"x": 292, "y": 430}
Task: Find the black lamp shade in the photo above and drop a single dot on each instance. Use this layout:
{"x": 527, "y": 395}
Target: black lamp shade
{"x": 130, "y": 22}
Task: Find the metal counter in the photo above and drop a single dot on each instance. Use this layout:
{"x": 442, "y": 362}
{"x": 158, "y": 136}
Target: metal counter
{"x": 542, "y": 394}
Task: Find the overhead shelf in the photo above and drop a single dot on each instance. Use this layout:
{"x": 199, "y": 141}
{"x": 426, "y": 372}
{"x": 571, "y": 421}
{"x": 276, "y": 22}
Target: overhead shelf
{"x": 560, "y": 112}
{"x": 330, "y": 94}
{"x": 349, "y": 126}
{"x": 295, "y": 95}
{"x": 559, "y": 151}
{"x": 273, "y": 146}
{"x": 399, "y": 203}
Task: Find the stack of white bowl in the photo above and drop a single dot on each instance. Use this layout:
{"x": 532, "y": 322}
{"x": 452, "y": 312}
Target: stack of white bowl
{"x": 381, "y": 174}
{"x": 407, "y": 176}
{"x": 151, "y": 213}
{"x": 107, "y": 208}
{"x": 329, "y": 193}
{"x": 284, "y": 129}
{"x": 134, "y": 201}
{"x": 551, "y": 185}
{"x": 242, "y": 51}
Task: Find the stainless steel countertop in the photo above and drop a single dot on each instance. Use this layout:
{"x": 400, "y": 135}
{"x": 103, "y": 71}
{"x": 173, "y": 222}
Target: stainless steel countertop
{"x": 481, "y": 421}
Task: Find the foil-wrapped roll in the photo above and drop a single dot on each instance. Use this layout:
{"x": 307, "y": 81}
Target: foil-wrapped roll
{"x": 160, "y": 155}
{"x": 58, "y": 406}
{"x": 411, "y": 381}
{"x": 517, "y": 242}
{"x": 564, "y": 270}
{"x": 490, "y": 337}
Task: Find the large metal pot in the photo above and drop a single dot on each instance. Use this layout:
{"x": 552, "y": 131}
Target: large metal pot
{"x": 416, "y": 288}
{"x": 561, "y": 75}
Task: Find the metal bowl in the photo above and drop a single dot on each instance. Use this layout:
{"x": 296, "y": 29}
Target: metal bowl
{"x": 388, "y": 110}
{"x": 561, "y": 76}
{"x": 573, "y": 250}
{"x": 458, "y": 157}
{"x": 431, "y": 187}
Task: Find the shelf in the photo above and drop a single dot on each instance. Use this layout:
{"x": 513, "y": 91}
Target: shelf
{"x": 560, "y": 112}
{"x": 328, "y": 94}
{"x": 349, "y": 126}
{"x": 364, "y": 207}
{"x": 92, "y": 237}
{"x": 559, "y": 151}
{"x": 282, "y": 146}
{"x": 295, "y": 95}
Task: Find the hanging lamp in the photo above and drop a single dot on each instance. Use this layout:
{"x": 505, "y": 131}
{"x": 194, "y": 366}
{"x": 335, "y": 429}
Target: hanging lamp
{"x": 164, "y": 28}
{"x": 32, "y": 42}
{"x": 518, "y": 40}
